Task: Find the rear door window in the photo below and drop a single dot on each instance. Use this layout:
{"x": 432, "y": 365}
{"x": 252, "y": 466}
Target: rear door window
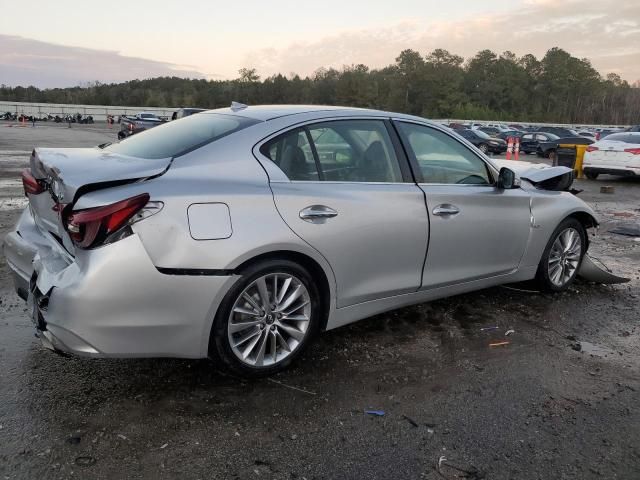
{"x": 180, "y": 136}
{"x": 337, "y": 151}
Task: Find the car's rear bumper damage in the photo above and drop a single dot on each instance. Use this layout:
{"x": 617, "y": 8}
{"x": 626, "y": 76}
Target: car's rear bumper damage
{"x": 111, "y": 301}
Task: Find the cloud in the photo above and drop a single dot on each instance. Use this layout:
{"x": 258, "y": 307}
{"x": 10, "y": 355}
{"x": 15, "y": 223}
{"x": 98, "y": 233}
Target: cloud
{"x": 607, "y": 32}
{"x": 30, "y": 62}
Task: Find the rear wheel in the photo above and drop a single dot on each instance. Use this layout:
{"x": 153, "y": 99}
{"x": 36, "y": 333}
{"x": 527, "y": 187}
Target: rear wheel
{"x": 266, "y": 320}
{"x": 591, "y": 175}
{"x": 562, "y": 257}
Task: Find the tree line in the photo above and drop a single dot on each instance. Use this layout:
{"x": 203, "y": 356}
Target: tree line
{"x": 557, "y": 88}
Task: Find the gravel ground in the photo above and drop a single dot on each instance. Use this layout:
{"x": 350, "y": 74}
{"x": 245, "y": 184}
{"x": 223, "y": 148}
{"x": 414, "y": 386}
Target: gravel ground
{"x": 558, "y": 402}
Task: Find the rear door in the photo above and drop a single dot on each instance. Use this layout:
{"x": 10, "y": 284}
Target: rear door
{"x": 476, "y": 230}
{"x": 349, "y": 194}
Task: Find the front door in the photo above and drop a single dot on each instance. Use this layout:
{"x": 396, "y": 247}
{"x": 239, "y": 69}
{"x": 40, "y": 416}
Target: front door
{"x": 351, "y": 197}
{"x": 476, "y": 230}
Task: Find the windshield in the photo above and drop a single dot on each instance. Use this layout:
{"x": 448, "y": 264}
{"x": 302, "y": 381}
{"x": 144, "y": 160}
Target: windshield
{"x": 629, "y": 137}
{"x": 180, "y": 136}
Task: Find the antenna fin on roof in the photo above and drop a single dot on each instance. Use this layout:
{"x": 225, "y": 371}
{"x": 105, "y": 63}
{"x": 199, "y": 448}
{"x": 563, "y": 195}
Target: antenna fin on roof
{"x": 236, "y": 106}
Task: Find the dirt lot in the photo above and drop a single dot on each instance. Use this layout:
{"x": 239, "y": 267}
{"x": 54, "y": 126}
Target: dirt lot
{"x": 560, "y": 401}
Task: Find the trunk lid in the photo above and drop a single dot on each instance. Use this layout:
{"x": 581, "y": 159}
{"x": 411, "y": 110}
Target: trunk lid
{"x": 70, "y": 172}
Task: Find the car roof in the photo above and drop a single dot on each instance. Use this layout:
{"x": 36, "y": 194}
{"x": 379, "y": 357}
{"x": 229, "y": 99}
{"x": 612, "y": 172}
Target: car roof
{"x": 270, "y": 112}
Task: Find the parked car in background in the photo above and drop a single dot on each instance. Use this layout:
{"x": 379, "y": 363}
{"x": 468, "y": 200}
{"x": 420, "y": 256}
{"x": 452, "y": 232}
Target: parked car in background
{"x": 491, "y": 131}
{"x": 587, "y": 134}
{"x": 617, "y": 154}
{"x": 605, "y": 132}
{"x": 559, "y": 131}
{"x": 483, "y": 141}
{"x": 185, "y": 112}
{"x": 510, "y": 134}
{"x": 226, "y": 235}
{"x": 530, "y": 142}
{"x": 549, "y": 149}
{"x": 142, "y": 121}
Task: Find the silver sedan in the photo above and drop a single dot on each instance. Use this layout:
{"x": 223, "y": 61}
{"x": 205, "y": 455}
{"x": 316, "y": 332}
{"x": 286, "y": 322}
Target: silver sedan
{"x": 240, "y": 233}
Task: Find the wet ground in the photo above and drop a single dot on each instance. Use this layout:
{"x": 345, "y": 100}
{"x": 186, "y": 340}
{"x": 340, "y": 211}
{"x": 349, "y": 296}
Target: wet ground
{"x": 558, "y": 401}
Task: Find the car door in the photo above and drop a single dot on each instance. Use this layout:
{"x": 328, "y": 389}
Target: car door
{"x": 476, "y": 230}
{"x": 528, "y": 143}
{"x": 350, "y": 195}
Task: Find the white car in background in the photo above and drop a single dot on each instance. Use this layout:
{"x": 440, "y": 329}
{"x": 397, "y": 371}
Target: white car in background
{"x": 617, "y": 154}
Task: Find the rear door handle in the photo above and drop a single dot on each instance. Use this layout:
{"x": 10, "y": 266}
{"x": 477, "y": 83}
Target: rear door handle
{"x": 316, "y": 213}
{"x": 446, "y": 209}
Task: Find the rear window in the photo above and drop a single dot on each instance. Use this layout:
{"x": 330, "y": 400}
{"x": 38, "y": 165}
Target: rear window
{"x": 180, "y": 136}
{"x": 624, "y": 137}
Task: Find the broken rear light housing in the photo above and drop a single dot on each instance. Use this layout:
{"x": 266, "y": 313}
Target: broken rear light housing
{"x": 92, "y": 227}
{"x": 634, "y": 151}
{"x": 32, "y": 186}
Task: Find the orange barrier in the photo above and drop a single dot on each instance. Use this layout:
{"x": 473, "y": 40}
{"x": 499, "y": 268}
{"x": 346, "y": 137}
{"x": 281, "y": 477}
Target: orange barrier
{"x": 509, "y": 147}
{"x": 516, "y": 146}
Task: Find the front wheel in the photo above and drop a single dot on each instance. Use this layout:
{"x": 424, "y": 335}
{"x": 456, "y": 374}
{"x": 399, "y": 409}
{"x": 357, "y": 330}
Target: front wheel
{"x": 562, "y": 257}
{"x": 591, "y": 175}
{"x": 267, "y": 319}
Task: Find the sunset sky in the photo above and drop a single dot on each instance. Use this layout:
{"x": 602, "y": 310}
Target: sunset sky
{"x": 68, "y": 42}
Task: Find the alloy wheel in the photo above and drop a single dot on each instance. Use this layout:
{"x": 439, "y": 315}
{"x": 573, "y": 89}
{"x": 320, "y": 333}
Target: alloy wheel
{"x": 269, "y": 319}
{"x": 564, "y": 257}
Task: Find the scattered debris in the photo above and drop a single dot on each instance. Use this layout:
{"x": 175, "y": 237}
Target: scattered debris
{"x": 607, "y": 189}
{"x": 122, "y": 437}
{"x": 486, "y": 329}
{"x": 377, "y": 413}
{"x": 509, "y": 332}
{"x": 73, "y": 440}
{"x": 85, "y": 461}
{"x": 626, "y": 230}
{"x": 290, "y": 386}
{"x": 164, "y": 446}
{"x": 410, "y": 420}
{"x": 498, "y": 344}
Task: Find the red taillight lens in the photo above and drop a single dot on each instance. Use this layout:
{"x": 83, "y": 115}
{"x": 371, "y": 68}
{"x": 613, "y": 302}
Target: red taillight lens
{"x": 634, "y": 151}
{"x": 591, "y": 148}
{"x": 31, "y": 185}
{"x": 89, "y": 228}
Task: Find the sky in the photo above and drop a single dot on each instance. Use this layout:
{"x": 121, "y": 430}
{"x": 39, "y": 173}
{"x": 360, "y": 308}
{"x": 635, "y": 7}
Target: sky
{"x": 69, "y": 42}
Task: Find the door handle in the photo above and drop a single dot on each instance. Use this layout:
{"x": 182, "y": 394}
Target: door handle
{"x": 446, "y": 209}
{"x": 316, "y": 213}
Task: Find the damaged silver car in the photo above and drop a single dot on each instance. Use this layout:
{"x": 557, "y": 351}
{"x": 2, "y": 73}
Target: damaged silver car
{"x": 240, "y": 233}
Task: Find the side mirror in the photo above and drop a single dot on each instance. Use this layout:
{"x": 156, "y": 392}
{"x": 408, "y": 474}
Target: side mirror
{"x": 507, "y": 179}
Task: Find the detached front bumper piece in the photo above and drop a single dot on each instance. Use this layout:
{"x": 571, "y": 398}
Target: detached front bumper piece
{"x": 593, "y": 273}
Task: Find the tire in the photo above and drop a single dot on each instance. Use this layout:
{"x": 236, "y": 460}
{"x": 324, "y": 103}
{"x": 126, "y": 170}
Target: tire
{"x": 484, "y": 148}
{"x": 555, "y": 256}
{"x": 266, "y": 330}
{"x": 591, "y": 175}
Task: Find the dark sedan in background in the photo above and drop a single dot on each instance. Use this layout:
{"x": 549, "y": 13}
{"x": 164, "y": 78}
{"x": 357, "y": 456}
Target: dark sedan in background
{"x": 530, "y": 142}
{"x": 484, "y": 142}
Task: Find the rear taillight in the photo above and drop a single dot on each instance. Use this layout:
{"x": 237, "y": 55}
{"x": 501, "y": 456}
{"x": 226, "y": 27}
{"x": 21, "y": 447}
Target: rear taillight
{"x": 591, "y": 148}
{"x": 31, "y": 185}
{"x": 597, "y": 135}
{"x": 93, "y": 226}
{"x": 634, "y": 151}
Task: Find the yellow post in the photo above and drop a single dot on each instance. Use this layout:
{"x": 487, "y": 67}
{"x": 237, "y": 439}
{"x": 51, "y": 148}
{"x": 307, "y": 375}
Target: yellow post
{"x": 580, "y": 149}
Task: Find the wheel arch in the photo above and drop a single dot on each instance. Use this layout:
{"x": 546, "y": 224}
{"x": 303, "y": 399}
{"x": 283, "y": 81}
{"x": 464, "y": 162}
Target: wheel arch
{"x": 586, "y": 219}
